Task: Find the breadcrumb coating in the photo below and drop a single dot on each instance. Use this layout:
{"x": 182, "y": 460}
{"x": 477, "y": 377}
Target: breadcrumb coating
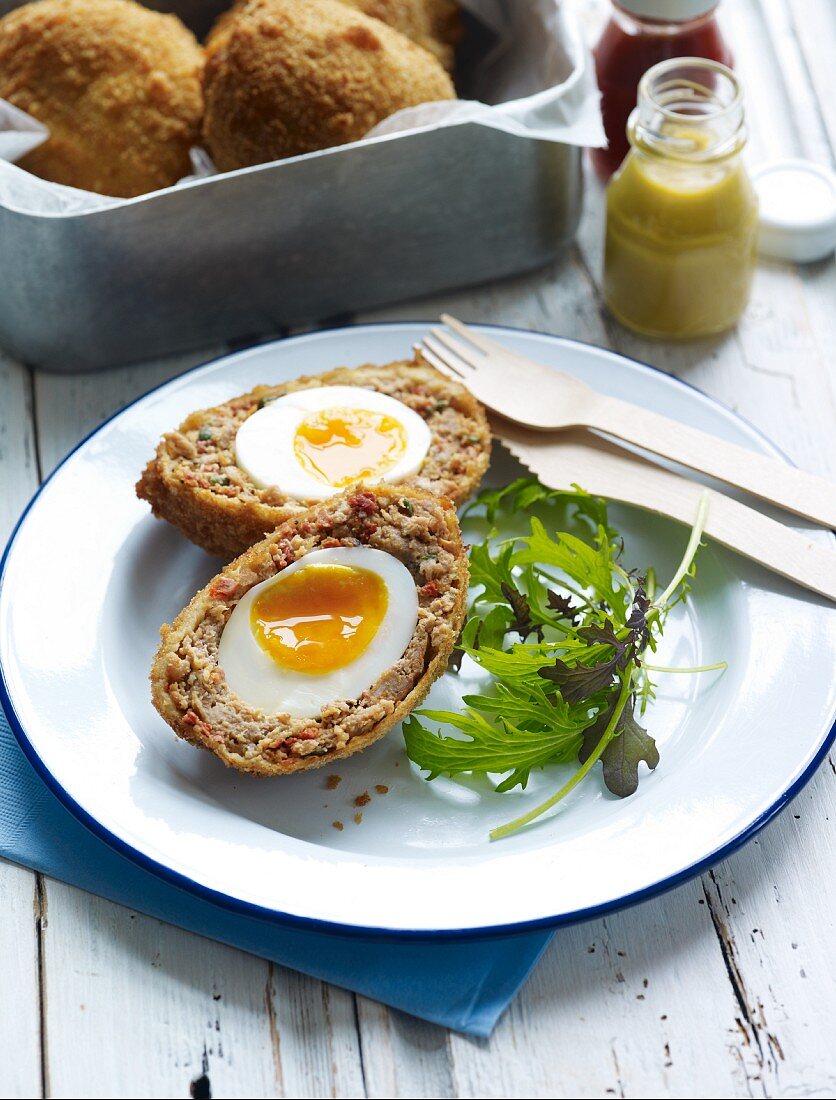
{"x": 433, "y": 24}
{"x": 119, "y": 87}
{"x": 285, "y": 77}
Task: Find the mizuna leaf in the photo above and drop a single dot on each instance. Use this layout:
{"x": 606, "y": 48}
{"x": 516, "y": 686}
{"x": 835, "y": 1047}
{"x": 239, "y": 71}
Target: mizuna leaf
{"x": 637, "y": 621}
{"x": 562, "y": 605}
{"x": 485, "y": 746}
{"x": 587, "y": 566}
{"x": 560, "y": 625}
{"x": 578, "y": 682}
{"x": 630, "y": 745}
{"x": 521, "y": 622}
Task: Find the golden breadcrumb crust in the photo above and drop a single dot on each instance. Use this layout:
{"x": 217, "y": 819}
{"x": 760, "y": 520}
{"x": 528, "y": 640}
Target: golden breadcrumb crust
{"x": 119, "y": 87}
{"x": 285, "y": 77}
{"x": 194, "y": 483}
{"x": 433, "y": 24}
{"x": 189, "y": 689}
{"x": 445, "y": 19}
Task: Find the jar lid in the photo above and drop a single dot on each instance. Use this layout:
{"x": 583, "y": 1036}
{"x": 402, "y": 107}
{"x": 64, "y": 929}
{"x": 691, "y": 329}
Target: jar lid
{"x": 667, "y": 11}
{"x": 797, "y": 210}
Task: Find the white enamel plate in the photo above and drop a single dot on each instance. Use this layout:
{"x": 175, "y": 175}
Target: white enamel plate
{"x": 89, "y": 577}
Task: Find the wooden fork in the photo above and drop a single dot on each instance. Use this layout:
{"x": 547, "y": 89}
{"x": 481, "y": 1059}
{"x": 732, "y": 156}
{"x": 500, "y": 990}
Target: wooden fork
{"x": 603, "y": 469}
{"x": 547, "y": 400}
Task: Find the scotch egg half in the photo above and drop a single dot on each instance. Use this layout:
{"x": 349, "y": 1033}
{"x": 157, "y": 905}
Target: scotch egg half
{"x": 327, "y": 627}
{"x": 320, "y": 638}
{"x": 231, "y": 473}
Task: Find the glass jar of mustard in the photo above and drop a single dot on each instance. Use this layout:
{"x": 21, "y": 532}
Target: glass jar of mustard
{"x": 682, "y": 215}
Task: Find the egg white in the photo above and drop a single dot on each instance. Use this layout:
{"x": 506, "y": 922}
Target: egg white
{"x": 264, "y": 442}
{"x": 256, "y": 678}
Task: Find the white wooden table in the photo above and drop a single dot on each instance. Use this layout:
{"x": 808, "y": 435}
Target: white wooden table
{"x": 724, "y": 987}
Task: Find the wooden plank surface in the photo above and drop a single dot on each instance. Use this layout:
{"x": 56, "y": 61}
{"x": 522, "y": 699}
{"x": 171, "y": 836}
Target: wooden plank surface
{"x": 20, "y": 890}
{"x": 134, "y": 1007}
{"x": 724, "y": 987}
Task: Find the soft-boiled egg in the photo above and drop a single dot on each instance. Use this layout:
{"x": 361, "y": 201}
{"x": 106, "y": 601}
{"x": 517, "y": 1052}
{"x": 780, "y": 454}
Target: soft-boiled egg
{"x": 325, "y": 628}
{"x": 312, "y": 443}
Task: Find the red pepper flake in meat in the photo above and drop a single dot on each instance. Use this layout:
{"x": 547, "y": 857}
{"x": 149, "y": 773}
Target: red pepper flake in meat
{"x": 283, "y": 553}
{"x": 309, "y": 733}
{"x": 222, "y": 588}
{"x": 364, "y": 502}
{"x": 430, "y": 590}
{"x": 206, "y": 731}
{"x": 200, "y": 726}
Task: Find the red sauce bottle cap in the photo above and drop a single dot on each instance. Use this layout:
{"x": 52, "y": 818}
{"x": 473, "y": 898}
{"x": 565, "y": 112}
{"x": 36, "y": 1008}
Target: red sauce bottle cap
{"x": 667, "y": 11}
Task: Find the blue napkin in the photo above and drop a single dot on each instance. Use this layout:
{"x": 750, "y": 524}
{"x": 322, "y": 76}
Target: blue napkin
{"x": 464, "y": 985}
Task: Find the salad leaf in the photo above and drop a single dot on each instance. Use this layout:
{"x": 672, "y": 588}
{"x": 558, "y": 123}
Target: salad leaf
{"x": 590, "y": 567}
{"x": 488, "y": 747}
{"x": 522, "y": 622}
{"x": 562, "y": 605}
{"x": 561, "y": 627}
{"x": 631, "y": 745}
{"x": 579, "y": 681}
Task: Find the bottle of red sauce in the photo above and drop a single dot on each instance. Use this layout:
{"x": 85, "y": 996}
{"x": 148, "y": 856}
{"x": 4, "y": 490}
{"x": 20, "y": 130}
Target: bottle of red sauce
{"x": 639, "y": 34}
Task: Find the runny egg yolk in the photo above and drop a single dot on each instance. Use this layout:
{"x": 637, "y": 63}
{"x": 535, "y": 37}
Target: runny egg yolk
{"x": 340, "y": 446}
{"x": 319, "y": 618}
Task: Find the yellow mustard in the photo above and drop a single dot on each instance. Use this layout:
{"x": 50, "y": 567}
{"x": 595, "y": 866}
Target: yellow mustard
{"x": 682, "y": 216}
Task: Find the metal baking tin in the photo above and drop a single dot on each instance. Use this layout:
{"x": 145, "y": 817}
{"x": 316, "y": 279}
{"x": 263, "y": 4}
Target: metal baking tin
{"x": 246, "y": 253}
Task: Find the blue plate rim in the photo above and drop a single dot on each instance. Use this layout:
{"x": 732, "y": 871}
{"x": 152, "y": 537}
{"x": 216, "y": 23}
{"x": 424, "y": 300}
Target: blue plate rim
{"x": 311, "y": 924}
